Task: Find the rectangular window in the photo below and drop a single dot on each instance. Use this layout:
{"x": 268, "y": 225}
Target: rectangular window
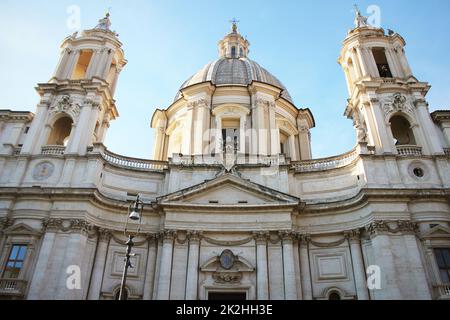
{"x": 443, "y": 260}
{"x": 15, "y": 262}
{"x": 382, "y": 64}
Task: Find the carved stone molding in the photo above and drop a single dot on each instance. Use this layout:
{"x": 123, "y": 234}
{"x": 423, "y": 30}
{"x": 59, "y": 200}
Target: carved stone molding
{"x": 198, "y": 103}
{"x": 67, "y": 225}
{"x": 227, "y": 243}
{"x": 261, "y": 236}
{"x": 353, "y": 235}
{"x": 328, "y": 244}
{"x": 92, "y": 103}
{"x": 265, "y": 103}
{"x": 194, "y": 236}
{"x": 227, "y": 278}
{"x": 66, "y": 105}
{"x": 5, "y": 222}
{"x": 286, "y": 235}
{"x": 103, "y": 234}
{"x": 391, "y": 227}
{"x": 303, "y": 239}
{"x": 398, "y": 103}
{"x": 168, "y": 235}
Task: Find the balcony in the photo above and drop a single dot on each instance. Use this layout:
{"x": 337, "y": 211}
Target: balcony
{"x": 447, "y": 152}
{"x": 53, "y": 150}
{"x": 443, "y": 291}
{"x": 409, "y": 151}
{"x": 12, "y": 288}
{"x": 326, "y": 163}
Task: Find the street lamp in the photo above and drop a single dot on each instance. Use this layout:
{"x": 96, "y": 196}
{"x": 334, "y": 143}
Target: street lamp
{"x": 135, "y": 215}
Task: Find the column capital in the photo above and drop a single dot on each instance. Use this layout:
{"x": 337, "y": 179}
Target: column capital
{"x": 261, "y": 236}
{"x": 168, "y": 235}
{"x": 103, "y": 234}
{"x": 353, "y": 235}
{"x": 286, "y": 235}
{"x": 194, "y": 236}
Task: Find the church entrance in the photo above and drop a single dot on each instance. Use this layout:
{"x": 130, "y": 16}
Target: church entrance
{"x": 227, "y": 296}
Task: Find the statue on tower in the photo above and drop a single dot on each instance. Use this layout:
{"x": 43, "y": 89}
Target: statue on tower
{"x": 360, "y": 20}
{"x": 105, "y": 23}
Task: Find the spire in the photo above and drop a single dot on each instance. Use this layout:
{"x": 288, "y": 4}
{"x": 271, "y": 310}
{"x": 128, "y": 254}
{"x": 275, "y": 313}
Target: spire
{"x": 360, "y": 20}
{"x": 233, "y": 45}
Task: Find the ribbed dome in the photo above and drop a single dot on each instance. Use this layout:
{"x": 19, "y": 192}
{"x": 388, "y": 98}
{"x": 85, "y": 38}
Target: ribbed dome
{"x": 234, "y": 71}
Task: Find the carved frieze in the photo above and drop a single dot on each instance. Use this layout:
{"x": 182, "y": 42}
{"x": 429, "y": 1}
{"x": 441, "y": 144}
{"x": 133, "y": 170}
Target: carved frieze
{"x": 67, "y": 225}
{"x": 66, "y": 105}
{"x": 391, "y": 227}
{"x": 227, "y": 278}
{"x": 398, "y": 103}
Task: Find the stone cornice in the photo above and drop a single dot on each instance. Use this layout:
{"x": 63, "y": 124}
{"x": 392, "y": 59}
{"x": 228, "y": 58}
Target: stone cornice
{"x": 16, "y": 116}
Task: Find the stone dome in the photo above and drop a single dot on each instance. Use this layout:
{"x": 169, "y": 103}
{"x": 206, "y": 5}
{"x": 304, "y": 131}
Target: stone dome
{"x": 234, "y": 71}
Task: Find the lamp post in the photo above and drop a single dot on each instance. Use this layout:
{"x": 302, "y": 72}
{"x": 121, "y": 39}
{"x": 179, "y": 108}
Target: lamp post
{"x": 135, "y": 215}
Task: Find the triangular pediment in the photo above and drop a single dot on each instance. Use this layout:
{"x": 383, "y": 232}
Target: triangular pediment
{"x": 228, "y": 190}
{"x": 21, "y": 229}
{"x": 437, "y": 232}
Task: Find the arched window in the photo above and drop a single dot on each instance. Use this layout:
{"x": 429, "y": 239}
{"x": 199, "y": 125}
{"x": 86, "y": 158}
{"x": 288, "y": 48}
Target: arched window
{"x": 60, "y": 133}
{"x": 402, "y": 132}
{"x": 334, "y": 296}
{"x": 382, "y": 63}
{"x": 79, "y": 72}
{"x": 233, "y": 52}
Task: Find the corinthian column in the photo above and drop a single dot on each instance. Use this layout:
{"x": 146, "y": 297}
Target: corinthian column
{"x": 192, "y": 271}
{"x": 166, "y": 266}
{"x": 99, "y": 264}
{"x": 358, "y": 264}
{"x": 290, "y": 288}
{"x": 261, "y": 266}
{"x": 304, "y": 267}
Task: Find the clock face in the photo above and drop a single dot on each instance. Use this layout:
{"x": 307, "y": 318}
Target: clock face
{"x": 227, "y": 259}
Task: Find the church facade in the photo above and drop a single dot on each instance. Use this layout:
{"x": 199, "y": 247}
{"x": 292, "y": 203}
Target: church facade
{"x": 234, "y": 206}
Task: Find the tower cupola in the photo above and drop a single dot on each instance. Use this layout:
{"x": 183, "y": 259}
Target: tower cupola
{"x": 234, "y": 45}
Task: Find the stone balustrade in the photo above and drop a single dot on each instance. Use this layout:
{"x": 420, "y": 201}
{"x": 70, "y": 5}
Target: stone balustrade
{"x": 325, "y": 163}
{"x": 409, "y": 150}
{"x": 53, "y": 150}
{"x": 443, "y": 291}
{"x": 128, "y": 162}
{"x": 12, "y": 287}
{"x": 447, "y": 152}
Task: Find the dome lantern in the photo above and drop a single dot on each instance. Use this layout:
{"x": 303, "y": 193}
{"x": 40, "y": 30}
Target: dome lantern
{"x": 233, "y": 45}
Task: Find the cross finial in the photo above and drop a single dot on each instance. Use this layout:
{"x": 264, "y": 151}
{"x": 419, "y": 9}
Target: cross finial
{"x": 234, "y": 23}
{"x": 355, "y": 6}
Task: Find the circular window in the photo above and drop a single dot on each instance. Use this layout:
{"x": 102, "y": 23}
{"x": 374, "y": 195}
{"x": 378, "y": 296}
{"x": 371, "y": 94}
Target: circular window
{"x": 418, "y": 172}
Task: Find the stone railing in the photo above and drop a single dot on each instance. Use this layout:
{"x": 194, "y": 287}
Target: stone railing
{"x": 133, "y": 163}
{"x": 53, "y": 150}
{"x": 447, "y": 152}
{"x": 407, "y": 150}
{"x": 219, "y": 159}
{"x": 12, "y": 287}
{"x": 443, "y": 291}
{"x": 16, "y": 151}
{"x": 326, "y": 163}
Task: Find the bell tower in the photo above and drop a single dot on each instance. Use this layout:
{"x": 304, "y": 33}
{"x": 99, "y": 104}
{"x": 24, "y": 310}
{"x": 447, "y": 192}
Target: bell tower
{"x": 387, "y": 103}
{"x": 77, "y": 103}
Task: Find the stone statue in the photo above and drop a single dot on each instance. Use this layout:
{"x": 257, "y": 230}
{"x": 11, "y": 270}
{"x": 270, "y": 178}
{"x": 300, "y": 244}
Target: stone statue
{"x": 360, "y": 20}
{"x": 105, "y": 23}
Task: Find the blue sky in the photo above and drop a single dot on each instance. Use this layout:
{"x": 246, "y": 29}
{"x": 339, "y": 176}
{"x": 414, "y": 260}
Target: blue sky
{"x": 167, "y": 41}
